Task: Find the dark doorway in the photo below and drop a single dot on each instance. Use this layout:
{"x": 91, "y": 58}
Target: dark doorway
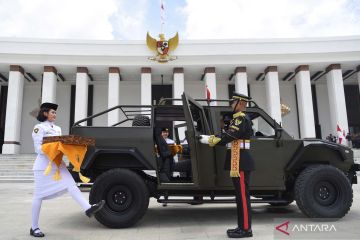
{"x": 161, "y": 91}
{"x": 316, "y": 113}
{"x": 3, "y": 101}
{"x": 352, "y": 98}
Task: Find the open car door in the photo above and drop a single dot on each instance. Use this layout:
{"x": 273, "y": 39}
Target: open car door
{"x": 202, "y": 156}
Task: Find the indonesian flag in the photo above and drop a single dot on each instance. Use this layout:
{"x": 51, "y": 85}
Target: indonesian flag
{"x": 208, "y": 94}
{"x": 340, "y": 133}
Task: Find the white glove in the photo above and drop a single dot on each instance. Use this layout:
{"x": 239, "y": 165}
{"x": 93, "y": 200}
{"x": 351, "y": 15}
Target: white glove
{"x": 204, "y": 139}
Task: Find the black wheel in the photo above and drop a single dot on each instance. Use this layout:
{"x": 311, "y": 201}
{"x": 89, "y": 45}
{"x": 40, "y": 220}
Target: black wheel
{"x": 141, "y": 120}
{"x": 323, "y": 191}
{"x": 281, "y": 204}
{"x": 126, "y": 196}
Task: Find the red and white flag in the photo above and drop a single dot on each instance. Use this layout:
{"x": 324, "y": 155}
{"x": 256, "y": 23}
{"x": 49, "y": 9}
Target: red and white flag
{"x": 208, "y": 94}
{"x": 340, "y": 133}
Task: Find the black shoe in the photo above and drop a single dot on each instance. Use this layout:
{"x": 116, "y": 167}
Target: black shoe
{"x": 36, "y": 234}
{"x": 239, "y": 233}
{"x": 233, "y": 230}
{"x": 95, "y": 208}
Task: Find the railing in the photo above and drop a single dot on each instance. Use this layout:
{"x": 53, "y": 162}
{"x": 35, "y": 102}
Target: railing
{"x": 165, "y": 100}
{"x": 128, "y": 113}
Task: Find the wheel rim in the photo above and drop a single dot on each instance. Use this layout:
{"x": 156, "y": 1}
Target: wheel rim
{"x": 119, "y": 198}
{"x": 326, "y": 193}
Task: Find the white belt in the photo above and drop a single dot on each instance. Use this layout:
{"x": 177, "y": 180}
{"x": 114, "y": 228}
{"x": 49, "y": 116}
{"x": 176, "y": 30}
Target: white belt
{"x": 243, "y": 144}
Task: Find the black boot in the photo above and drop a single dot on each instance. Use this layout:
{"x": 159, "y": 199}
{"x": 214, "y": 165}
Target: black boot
{"x": 239, "y": 233}
{"x": 233, "y": 230}
{"x": 35, "y": 233}
{"x": 95, "y": 208}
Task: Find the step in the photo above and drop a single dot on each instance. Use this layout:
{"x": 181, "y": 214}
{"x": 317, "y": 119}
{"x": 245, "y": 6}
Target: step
{"x": 12, "y": 180}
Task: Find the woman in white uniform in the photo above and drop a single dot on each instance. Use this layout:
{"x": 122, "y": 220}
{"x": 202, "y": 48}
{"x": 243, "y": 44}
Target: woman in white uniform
{"x": 45, "y": 186}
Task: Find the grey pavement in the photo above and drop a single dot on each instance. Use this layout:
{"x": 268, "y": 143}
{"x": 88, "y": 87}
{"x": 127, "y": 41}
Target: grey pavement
{"x": 62, "y": 218}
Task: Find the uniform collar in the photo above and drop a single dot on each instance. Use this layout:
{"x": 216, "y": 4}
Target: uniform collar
{"x": 51, "y": 124}
{"x": 238, "y": 114}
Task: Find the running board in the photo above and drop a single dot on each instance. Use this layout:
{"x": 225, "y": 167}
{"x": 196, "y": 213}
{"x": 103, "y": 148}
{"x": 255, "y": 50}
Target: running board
{"x": 231, "y": 200}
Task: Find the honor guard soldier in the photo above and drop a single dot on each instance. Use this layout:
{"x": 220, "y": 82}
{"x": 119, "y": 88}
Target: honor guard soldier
{"x": 237, "y": 138}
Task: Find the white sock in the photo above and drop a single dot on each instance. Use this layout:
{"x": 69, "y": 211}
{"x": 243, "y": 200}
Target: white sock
{"x": 35, "y": 212}
{"x": 76, "y": 194}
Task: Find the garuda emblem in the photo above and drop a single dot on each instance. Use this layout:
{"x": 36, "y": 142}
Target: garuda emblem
{"x": 162, "y": 47}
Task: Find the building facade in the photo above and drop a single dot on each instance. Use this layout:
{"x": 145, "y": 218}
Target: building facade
{"x": 316, "y": 79}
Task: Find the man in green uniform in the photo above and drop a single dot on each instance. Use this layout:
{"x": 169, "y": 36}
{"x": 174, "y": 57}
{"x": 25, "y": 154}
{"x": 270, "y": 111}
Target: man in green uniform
{"x": 238, "y": 161}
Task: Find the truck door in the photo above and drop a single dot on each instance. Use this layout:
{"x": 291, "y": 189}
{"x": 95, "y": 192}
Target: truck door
{"x": 202, "y": 156}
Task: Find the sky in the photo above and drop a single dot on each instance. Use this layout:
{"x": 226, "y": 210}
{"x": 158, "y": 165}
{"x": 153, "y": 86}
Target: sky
{"x": 193, "y": 19}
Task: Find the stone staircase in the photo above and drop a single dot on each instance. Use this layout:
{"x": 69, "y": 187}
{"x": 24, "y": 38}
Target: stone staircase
{"x": 17, "y": 168}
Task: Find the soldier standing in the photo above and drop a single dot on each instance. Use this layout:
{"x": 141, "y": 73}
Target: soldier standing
{"x": 238, "y": 161}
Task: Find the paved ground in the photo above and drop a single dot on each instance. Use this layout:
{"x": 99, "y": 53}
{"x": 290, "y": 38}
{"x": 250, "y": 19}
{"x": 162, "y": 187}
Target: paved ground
{"x": 61, "y": 218}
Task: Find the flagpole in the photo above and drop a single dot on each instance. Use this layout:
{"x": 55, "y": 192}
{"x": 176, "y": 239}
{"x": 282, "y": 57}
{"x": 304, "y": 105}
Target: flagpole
{"x": 162, "y": 13}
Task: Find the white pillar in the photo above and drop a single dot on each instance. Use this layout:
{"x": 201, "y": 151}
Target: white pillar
{"x": 81, "y": 96}
{"x": 49, "y": 85}
{"x": 273, "y": 93}
{"x": 14, "y": 110}
{"x": 178, "y": 86}
{"x": 114, "y": 95}
{"x": 146, "y": 86}
{"x": 335, "y": 86}
{"x": 241, "y": 83}
{"x": 305, "y": 103}
{"x": 210, "y": 83}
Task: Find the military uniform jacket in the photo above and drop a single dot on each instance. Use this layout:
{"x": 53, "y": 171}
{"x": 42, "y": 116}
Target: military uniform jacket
{"x": 240, "y": 127}
{"x": 44, "y": 129}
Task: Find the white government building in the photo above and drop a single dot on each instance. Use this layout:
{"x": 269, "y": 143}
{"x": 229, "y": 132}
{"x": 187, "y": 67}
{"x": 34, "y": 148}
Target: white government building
{"x": 317, "y": 78}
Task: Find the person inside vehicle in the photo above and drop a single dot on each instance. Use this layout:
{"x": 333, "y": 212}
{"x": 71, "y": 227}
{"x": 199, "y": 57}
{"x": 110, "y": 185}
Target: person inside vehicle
{"x": 165, "y": 135}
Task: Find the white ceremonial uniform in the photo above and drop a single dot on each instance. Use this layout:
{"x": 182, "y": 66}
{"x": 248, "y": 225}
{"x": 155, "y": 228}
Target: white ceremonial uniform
{"x": 45, "y": 186}
{"x": 169, "y": 141}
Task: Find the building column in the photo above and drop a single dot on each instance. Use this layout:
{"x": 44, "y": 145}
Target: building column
{"x": 48, "y": 93}
{"x": 273, "y": 93}
{"x": 81, "y": 96}
{"x": 178, "y": 86}
{"x": 114, "y": 95}
{"x": 14, "y": 110}
{"x": 210, "y": 83}
{"x": 338, "y": 114}
{"x": 241, "y": 83}
{"x": 305, "y": 103}
{"x": 146, "y": 86}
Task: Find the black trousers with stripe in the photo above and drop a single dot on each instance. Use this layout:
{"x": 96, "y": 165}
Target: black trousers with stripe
{"x": 242, "y": 195}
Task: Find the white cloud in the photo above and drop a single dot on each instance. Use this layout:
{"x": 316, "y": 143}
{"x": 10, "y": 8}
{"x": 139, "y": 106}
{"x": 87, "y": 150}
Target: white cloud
{"x": 266, "y": 19}
{"x": 74, "y": 19}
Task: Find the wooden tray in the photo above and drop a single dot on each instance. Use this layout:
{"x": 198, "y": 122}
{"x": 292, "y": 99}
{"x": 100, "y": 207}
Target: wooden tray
{"x": 71, "y": 139}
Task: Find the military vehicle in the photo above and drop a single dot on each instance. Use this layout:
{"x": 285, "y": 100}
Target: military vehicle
{"x": 124, "y": 165}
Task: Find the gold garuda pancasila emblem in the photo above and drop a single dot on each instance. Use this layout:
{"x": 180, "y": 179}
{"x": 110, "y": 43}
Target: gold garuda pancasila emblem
{"x": 162, "y": 47}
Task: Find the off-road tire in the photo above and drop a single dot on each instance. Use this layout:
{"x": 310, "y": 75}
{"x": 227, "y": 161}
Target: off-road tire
{"x": 323, "y": 191}
{"x": 141, "y": 120}
{"x": 126, "y": 196}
